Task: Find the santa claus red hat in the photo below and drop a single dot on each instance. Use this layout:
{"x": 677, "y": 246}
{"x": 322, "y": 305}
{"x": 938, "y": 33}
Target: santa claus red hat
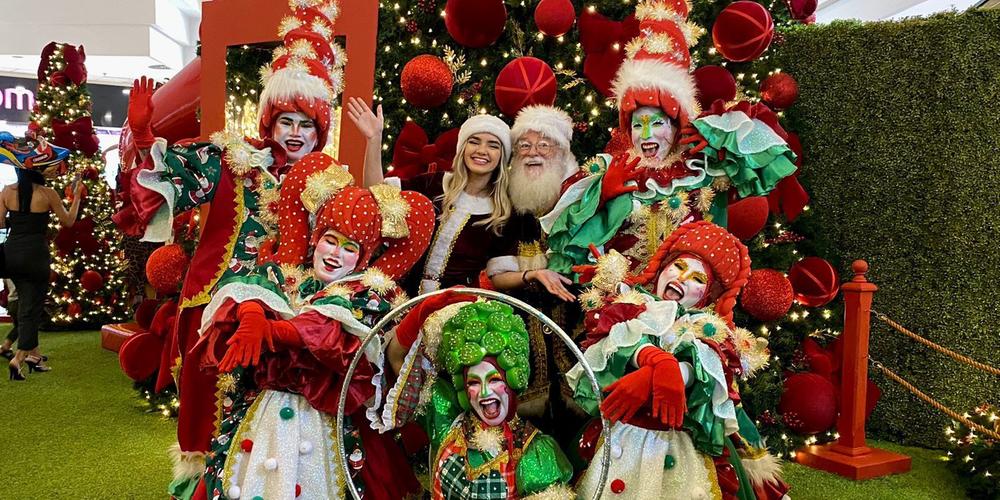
{"x": 549, "y": 121}
{"x": 725, "y": 254}
{"x": 316, "y": 185}
{"x": 657, "y": 69}
{"x": 306, "y": 73}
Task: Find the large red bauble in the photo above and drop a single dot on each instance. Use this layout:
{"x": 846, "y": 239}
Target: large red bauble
{"x": 523, "y": 82}
{"x": 747, "y": 217}
{"x": 801, "y": 9}
{"x": 555, "y": 17}
{"x": 714, "y": 83}
{"x": 779, "y": 90}
{"x": 767, "y": 295}
{"x": 742, "y": 31}
{"x": 139, "y": 356}
{"x": 165, "y": 268}
{"x": 814, "y": 280}
{"x": 426, "y": 81}
{"x": 808, "y": 403}
{"x": 91, "y": 280}
{"x": 475, "y": 23}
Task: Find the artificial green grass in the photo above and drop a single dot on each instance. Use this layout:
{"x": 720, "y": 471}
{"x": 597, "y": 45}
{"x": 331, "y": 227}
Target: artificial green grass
{"x": 81, "y": 432}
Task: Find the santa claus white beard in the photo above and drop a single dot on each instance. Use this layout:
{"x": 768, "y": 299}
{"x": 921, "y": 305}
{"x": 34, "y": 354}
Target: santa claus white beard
{"x": 536, "y": 193}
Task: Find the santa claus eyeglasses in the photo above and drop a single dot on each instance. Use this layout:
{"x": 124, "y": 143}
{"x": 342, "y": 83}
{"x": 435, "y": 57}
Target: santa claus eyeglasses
{"x": 543, "y": 148}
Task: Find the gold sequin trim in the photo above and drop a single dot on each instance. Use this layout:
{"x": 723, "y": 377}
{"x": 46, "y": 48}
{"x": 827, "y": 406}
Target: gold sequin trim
{"x": 394, "y": 210}
{"x": 204, "y": 297}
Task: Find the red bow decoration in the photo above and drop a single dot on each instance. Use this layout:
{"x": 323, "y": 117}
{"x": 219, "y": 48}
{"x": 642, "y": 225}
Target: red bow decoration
{"x": 599, "y": 37}
{"x": 789, "y": 197}
{"x": 74, "y": 69}
{"x": 414, "y": 154}
{"x": 77, "y": 135}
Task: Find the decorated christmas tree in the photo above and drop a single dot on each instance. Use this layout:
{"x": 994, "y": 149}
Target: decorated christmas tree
{"x": 87, "y": 261}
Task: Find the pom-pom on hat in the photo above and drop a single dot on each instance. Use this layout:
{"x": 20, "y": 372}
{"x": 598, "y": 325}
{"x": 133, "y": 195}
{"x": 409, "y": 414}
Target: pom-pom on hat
{"x": 306, "y": 73}
{"x": 486, "y": 124}
{"x": 656, "y": 71}
{"x": 728, "y": 258}
{"x": 549, "y": 121}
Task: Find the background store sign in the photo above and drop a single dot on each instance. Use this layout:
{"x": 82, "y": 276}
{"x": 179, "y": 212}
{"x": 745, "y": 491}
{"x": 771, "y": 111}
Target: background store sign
{"x": 17, "y": 96}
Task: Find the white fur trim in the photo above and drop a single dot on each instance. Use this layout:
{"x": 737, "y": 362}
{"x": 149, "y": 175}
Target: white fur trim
{"x": 654, "y": 73}
{"x": 762, "y": 470}
{"x": 187, "y": 464}
{"x": 161, "y": 226}
{"x": 549, "y": 121}
{"x": 503, "y": 264}
{"x": 286, "y": 83}
{"x": 239, "y": 293}
{"x": 486, "y": 124}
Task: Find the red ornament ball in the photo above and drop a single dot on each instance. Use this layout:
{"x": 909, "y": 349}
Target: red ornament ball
{"x": 767, "y": 295}
{"x": 815, "y": 281}
{"x": 800, "y": 10}
{"x": 166, "y": 267}
{"x": 617, "y": 486}
{"x": 475, "y": 23}
{"x": 779, "y": 90}
{"x": 139, "y": 356}
{"x": 74, "y": 309}
{"x": 91, "y": 281}
{"x": 555, "y": 17}
{"x": 523, "y": 82}
{"x": 426, "y": 81}
{"x": 742, "y": 31}
{"x": 808, "y": 403}
{"x": 748, "y": 216}
{"x": 145, "y": 312}
{"x": 246, "y": 445}
{"x": 714, "y": 83}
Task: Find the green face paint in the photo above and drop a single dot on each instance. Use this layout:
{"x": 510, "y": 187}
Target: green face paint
{"x": 652, "y": 132}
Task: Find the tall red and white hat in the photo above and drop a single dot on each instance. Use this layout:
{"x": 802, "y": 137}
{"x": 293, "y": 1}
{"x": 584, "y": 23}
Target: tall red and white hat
{"x": 306, "y": 73}
{"x": 657, "y": 68}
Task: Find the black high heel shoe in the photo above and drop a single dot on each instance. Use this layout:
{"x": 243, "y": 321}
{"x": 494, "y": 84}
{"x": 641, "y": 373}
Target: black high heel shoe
{"x": 35, "y": 365}
{"x": 15, "y": 373}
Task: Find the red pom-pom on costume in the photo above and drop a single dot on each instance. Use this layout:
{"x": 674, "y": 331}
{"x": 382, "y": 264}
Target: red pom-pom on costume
{"x": 742, "y": 31}
{"x": 779, "y": 90}
{"x": 802, "y": 10}
{"x": 426, "y": 81}
{"x": 814, "y": 280}
{"x": 246, "y": 445}
{"x": 808, "y": 403}
{"x": 748, "y": 216}
{"x": 767, "y": 295}
{"x": 523, "y": 82}
{"x": 91, "y": 280}
{"x": 714, "y": 83}
{"x": 166, "y": 267}
{"x": 617, "y": 486}
{"x": 475, "y": 23}
{"x": 555, "y": 17}
{"x": 139, "y": 356}
{"x": 145, "y": 311}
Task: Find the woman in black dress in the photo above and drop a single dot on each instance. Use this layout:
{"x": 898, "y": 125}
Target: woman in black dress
{"x": 24, "y": 209}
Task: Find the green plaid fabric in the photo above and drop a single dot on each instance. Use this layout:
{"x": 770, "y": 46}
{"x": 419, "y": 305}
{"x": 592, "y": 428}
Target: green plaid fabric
{"x": 456, "y": 486}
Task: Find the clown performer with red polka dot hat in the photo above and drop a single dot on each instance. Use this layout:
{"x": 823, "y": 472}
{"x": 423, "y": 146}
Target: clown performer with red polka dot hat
{"x": 240, "y": 177}
{"x": 283, "y": 337}
{"x": 670, "y": 163}
{"x": 667, "y": 355}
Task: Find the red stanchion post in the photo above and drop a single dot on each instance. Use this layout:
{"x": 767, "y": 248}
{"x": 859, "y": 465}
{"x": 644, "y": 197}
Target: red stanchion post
{"x": 850, "y": 456}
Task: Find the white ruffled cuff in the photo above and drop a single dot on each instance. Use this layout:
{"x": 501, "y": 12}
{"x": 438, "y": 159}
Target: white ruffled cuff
{"x": 161, "y": 227}
{"x": 503, "y": 264}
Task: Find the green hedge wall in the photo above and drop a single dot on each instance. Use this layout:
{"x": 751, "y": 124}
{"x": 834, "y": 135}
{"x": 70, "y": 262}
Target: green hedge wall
{"x": 900, "y": 123}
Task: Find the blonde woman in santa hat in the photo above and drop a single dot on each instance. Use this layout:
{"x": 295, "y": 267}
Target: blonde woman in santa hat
{"x": 477, "y": 227}
{"x": 240, "y": 177}
{"x": 285, "y": 336}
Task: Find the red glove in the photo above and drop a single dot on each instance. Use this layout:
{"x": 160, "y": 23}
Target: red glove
{"x": 620, "y": 171}
{"x": 628, "y": 394}
{"x": 690, "y": 135}
{"x": 586, "y": 272}
{"x": 140, "y": 112}
{"x": 409, "y": 328}
{"x": 245, "y": 344}
{"x": 285, "y": 334}
{"x": 669, "y": 399}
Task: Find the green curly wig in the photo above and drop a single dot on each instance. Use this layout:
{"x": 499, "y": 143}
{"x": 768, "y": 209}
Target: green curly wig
{"x": 483, "y": 329}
